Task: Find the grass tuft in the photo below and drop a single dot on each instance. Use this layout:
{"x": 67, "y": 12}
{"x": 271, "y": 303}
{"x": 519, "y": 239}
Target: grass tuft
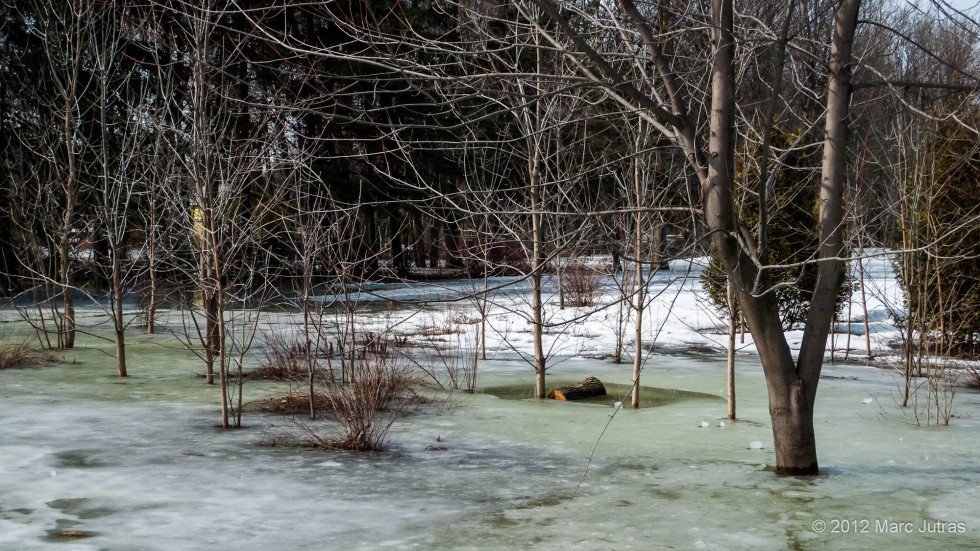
{"x": 22, "y": 354}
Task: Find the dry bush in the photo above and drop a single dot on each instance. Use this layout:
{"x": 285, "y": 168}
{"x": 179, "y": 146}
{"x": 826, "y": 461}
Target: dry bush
{"x": 942, "y": 387}
{"x": 454, "y": 367}
{"x": 380, "y": 392}
{"x": 582, "y": 284}
{"x": 366, "y": 408}
{"x": 285, "y": 359}
{"x": 293, "y": 403}
{"x": 971, "y": 378}
{"x": 22, "y": 354}
{"x": 448, "y": 323}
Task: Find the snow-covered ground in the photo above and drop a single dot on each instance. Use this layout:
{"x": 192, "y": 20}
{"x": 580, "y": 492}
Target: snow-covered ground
{"x": 679, "y": 318}
{"x": 89, "y": 461}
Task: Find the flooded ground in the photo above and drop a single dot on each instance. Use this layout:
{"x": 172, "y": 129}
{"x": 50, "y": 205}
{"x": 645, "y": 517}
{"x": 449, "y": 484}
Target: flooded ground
{"x": 89, "y": 461}
{"x": 92, "y": 462}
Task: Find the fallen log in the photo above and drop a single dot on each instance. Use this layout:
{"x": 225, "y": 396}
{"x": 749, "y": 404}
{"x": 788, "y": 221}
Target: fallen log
{"x": 586, "y": 388}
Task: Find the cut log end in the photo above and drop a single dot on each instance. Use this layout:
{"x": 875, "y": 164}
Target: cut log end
{"x": 586, "y": 388}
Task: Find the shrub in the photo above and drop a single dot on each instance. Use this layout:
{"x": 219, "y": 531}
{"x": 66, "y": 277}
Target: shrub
{"x": 292, "y": 403}
{"x": 285, "y": 359}
{"x": 941, "y": 265}
{"x": 380, "y": 392}
{"x": 971, "y": 379}
{"x": 454, "y": 367}
{"x": 448, "y": 323}
{"x": 582, "y": 284}
{"x": 22, "y": 354}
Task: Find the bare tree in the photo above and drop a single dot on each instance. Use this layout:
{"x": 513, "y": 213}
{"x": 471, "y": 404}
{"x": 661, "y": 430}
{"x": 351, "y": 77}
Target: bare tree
{"x": 792, "y": 384}
{"x": 122, "y": 167}
{"x": 535, "y": 162}
{"x": 229, "y": 140}
{"x": 50, "y": 143}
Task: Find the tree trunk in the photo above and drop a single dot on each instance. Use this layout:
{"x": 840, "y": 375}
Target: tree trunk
{"x": 310, "y": 348}
{"x": 638, "y": 337}
{"x": 792, "y": 430}
{"x": 537, "y": 246}
{"x": 67, "y": 336}
{"x": 586, "y": 388}
{"x": 8, "y": 262}
{"x": 117, "y": 312}
{"x": 222, "y": 359}
{"x": 640, "y": 282}
{"x": 221, "y": 329}
{"x": 151, "y": 231}
{"x": 433, "y": 245}
{"x": 451, "y": 236}
{"x": 211, "y": 332}
{"x": 419, "y": 246}
{"x": 620, "y": 316}
{"x": 791, "y": 386}
{"x": 397, "y": 248}
{"x": 537, "y": 303}
{"x": 659, "y": 248}
{"x": 484, "y": 303}
{"x": 732, "y": 322}
{"x": 790, "y": 395}
{"x": 70, "y": 185}
{"x": 368, "y": 247}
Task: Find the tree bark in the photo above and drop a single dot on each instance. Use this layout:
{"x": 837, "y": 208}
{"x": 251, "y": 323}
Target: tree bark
{"x": 8, "y": 263}
{"x": 433, "y": 244}
{"x": 117, "y": 312}
{"x": 586, "y": 388}
{"x": 640, "y": 295}
{"x": 792, "y": 429}
{"x": 831, "y": 215}
{"x": 151, "y": 237}
{"x": 791, "y": 386}
{"x": 537, "y": 245}
{"x": 397, "y": 248}
{"x": 732, "y": 321}
{"x": 537, "y": 271}
{"x": 70, "y": 185}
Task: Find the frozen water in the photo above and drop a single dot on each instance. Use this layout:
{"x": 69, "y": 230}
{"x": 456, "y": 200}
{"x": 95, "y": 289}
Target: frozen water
{"x": 140, "y": 465}
{"x": 91, "y": 462}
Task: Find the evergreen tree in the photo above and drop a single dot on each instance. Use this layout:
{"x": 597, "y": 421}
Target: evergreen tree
{"x": 942, "y": 264}
{"x": 792, "y": 242}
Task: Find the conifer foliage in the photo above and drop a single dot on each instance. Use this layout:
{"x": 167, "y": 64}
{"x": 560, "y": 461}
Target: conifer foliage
{"x": 792, "y": 241}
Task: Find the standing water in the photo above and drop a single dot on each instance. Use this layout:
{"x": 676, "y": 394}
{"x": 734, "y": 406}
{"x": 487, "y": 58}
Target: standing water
{"x": 89, "y": 461}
